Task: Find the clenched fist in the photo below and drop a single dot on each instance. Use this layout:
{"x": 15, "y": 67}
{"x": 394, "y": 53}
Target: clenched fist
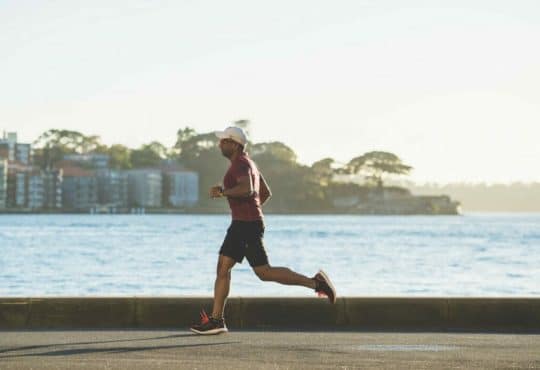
{"x": 216, "y": 191}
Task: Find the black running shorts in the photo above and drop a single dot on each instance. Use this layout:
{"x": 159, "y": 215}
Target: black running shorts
{"x": 245, "y": 239}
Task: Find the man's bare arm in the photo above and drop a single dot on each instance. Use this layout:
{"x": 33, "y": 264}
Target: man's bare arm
{"x": 264, "y": 192}
{"x": 243, "y": 189}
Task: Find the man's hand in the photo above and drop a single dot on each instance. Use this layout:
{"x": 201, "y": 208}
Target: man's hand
{"x": 216, "y": 191}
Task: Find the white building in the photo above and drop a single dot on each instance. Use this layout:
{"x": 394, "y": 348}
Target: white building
{"x": 52, "y": 188}
{"x": 15, "y": 151}
{"x": 79, "y": 188}
{"x": 9, "y": 141}
{"x": 23, "y": 153}
{"x": 144, "y": 188}
{"x": 36, "y": 190}
{"x": 20, "y": 189}
{"x": 112, "y": 187}
{"x": 3, "y": 182}
{"x": 98, "y": 161}
{"x": 183, "y": 188}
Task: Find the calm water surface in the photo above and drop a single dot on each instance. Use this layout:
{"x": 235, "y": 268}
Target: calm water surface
{"x": 130, "y": 255}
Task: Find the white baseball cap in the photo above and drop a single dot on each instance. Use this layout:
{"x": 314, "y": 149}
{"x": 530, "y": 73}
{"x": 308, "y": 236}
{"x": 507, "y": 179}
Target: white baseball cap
{"x": 233, "y": 133}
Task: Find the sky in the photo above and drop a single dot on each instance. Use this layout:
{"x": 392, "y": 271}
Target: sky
{"x": 451, "y": 87}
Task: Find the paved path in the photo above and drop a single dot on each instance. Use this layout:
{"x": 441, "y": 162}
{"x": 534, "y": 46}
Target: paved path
{"x": 145, "y": 349}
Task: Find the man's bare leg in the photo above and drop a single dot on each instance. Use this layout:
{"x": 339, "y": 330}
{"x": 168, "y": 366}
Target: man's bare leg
{"x": 222, "y": 285}
{"x": 283, "y": 275}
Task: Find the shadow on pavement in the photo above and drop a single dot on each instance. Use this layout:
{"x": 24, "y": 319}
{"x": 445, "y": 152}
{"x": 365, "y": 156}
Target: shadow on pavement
{"x": 93, "y": 342}
{"x": 82, "y": 351}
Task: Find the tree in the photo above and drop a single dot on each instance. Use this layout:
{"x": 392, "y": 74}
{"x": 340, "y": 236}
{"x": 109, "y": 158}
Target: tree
{"x": 148, "y": 155}
{"x": 120, "y": 157}
{"x": 374, "y": 165}
{"x": 274, "y": 150}
{"x": 53, "y": 145}
{"x": 294, "y": 186}
{"x": 200, "y": 153}
{"x": 182, "y": 136}
{"x": 69, "y": 141}
{"x": 323, "y": 169}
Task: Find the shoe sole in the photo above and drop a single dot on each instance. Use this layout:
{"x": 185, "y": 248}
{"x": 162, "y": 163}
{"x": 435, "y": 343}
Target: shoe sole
{"x": 327, "y": 279}
{"x": 210, "y": 332}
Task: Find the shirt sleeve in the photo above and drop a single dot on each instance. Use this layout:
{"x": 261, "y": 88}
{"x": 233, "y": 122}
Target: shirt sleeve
{"x": 241, "y": 170}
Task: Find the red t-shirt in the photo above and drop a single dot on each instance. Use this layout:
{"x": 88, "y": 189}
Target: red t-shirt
{"x": 244, "y": 209}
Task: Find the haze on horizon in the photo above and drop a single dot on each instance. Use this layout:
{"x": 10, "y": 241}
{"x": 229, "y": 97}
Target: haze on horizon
{"x": 449, "y": 86}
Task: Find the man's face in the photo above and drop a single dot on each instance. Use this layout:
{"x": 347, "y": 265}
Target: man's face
{"x": 228, "y": 147}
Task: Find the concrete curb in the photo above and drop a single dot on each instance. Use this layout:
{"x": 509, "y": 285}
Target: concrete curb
{"x": 349, "y": 313}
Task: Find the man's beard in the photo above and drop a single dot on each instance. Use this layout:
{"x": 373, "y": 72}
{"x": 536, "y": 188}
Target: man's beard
{"x": 226, "y": 154}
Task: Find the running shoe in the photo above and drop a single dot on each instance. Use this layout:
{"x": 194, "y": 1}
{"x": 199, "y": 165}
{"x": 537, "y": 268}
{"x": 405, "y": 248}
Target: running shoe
{"x": 324, "y": 287}
{"x": 209, "y": 325}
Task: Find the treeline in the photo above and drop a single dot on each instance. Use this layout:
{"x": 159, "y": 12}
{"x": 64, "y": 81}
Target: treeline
{"x": 295, "y": 186}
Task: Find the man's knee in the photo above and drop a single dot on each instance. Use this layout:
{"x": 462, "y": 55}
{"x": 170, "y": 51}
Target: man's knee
{"x": 223, "y": 273}
{"x": 223, "y": 270}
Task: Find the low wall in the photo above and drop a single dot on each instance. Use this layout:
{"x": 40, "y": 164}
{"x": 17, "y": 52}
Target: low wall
{"x": 256, "y": 313}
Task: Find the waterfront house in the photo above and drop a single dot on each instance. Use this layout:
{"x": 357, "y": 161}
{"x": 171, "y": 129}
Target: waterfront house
{"x": 94, "y": 160}
{"x": 3, "y": 182}
{"x": 17, "y": 184}
{"x": 11, "y": 150}
{"x": 180, "y": 185}
{"x": 183, "y": 188}
{"x": 145, "y": 188}
{"x": 112, "y": 188}
{"x": 79, "y": 187}
{"x": 52, "y": 188}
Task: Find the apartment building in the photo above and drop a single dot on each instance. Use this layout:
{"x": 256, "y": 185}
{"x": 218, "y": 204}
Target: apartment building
{"x": 94, "y": 160}
{"x": 8, "y": 142}
{"x": 52, "y": 188}
{"x": 79, "y": 188}
{"x": 17, "y": 184}
{"x": 11, "y": 150}
{"x": 112, "y": 187}
{"x": 145, "y": 188}
{"x": 3, "y": 182}
{"x": 182, "y": 188}
{"x": 23, "y": 153}
{"x": 35, "y": 197}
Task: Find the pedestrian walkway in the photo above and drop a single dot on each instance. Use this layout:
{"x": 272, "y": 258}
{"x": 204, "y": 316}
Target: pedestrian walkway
{"x": 179, "y": 349}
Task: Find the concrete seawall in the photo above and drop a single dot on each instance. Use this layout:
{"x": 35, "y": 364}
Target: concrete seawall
{"x": 349, "y": 313}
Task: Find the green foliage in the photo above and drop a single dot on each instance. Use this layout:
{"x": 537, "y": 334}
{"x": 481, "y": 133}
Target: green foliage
{"x": 200, "y": 153}
{"x": 324, "y": 171}
{"x": 148, "y": 155}
{"x": 346, "y": 189}
{"x": 374, "y": 165}
{"x": 295, "y": 187}
{"x": 69, "y": 141}
{"x": 120, "y": 157}
{"x": 273, "y": 151}
{"x": 53, "y": 145}
{"x": 183, "y": 135}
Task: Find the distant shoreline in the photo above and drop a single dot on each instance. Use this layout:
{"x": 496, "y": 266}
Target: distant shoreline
{"x": 322, "y": 213}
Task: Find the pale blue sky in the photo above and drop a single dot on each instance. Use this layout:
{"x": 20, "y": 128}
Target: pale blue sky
{"x": 453, "y": 87}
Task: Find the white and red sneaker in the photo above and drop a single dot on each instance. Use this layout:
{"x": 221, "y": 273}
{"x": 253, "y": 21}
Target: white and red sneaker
{"x": 324, "y": 287}
{"x": 209, "y": 325}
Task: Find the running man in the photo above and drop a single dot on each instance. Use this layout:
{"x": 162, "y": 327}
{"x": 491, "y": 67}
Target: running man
{"x": 246, "y": 190}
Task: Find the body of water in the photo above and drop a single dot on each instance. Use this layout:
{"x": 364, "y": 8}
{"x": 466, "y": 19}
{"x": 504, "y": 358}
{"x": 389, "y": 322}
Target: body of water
{"x": 175, "y": 255}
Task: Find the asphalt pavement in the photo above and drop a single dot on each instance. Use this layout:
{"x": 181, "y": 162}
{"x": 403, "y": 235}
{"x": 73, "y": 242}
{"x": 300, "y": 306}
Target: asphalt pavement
{"x": 180, "y": 349}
